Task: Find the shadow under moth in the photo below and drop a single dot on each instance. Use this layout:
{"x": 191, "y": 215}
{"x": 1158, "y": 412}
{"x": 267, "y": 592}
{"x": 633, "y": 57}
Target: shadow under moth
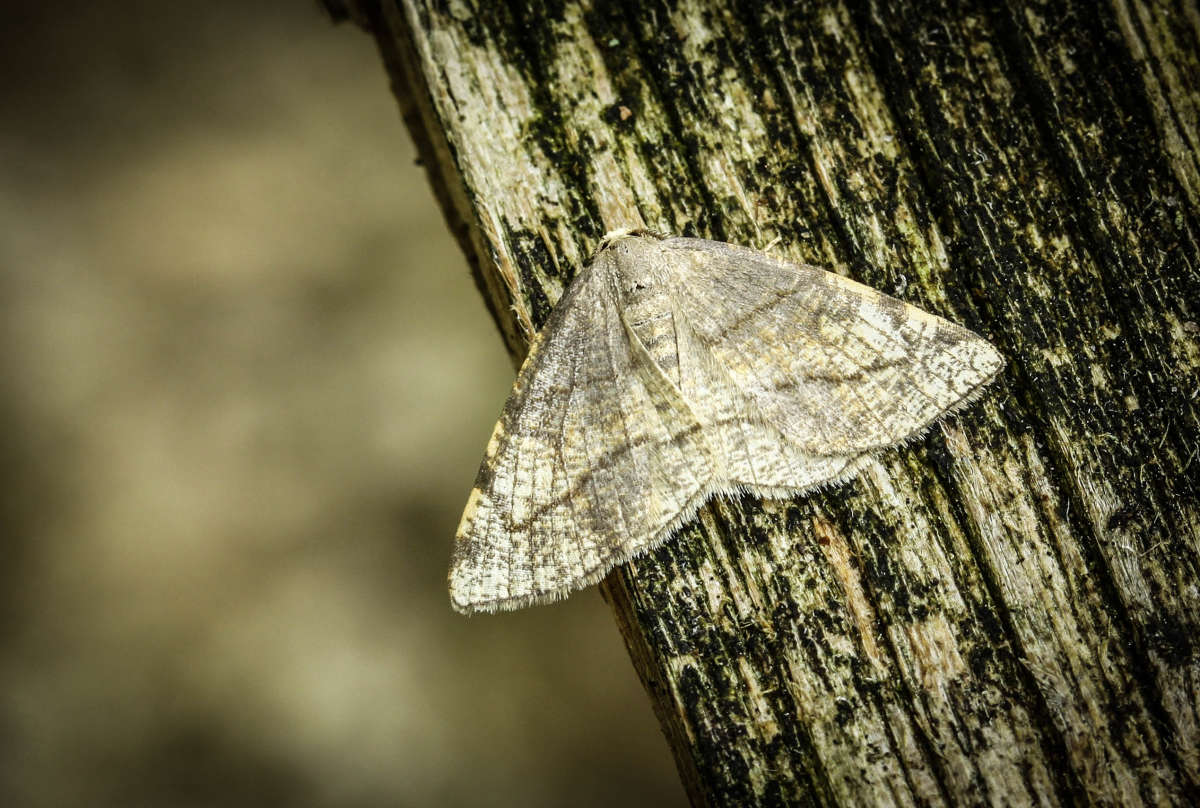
{"x": 676, "y": 369}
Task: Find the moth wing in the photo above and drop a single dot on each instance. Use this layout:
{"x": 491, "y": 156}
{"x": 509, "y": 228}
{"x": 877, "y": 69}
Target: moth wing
{"x": 593, "y": 460}
{"x": 750, "y": 451}
{"x": 837, "y": 368}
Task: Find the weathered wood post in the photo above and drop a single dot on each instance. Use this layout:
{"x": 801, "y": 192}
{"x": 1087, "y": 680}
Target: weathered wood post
{"x": 1007, "y": 611}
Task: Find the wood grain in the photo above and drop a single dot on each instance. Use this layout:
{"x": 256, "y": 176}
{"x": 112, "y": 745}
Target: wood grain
{"x": 1006, "y": 611}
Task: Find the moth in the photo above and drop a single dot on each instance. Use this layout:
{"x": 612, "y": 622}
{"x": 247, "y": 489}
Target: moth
{"x": 676, "y": 369}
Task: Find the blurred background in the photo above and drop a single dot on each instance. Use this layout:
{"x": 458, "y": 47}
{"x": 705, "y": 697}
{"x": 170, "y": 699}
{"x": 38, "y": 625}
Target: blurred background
{"x": 247, "y": 381}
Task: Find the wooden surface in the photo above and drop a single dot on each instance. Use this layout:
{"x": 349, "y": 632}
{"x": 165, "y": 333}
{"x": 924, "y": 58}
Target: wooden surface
{"x": 1007, "y": 611}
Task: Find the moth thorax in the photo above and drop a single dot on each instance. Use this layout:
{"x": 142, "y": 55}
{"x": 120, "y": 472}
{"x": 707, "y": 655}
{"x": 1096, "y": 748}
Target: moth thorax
{"x": 652, "y": 320}
{"x": 644, "y": 294}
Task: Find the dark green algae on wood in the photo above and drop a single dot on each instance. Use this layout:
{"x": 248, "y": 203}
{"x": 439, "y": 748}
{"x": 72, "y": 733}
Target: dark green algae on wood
{"x": 1005, "y": 611}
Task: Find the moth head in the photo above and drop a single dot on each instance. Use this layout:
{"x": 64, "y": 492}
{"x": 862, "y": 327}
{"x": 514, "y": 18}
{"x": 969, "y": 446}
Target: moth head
{"x": 635, "y": 266}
